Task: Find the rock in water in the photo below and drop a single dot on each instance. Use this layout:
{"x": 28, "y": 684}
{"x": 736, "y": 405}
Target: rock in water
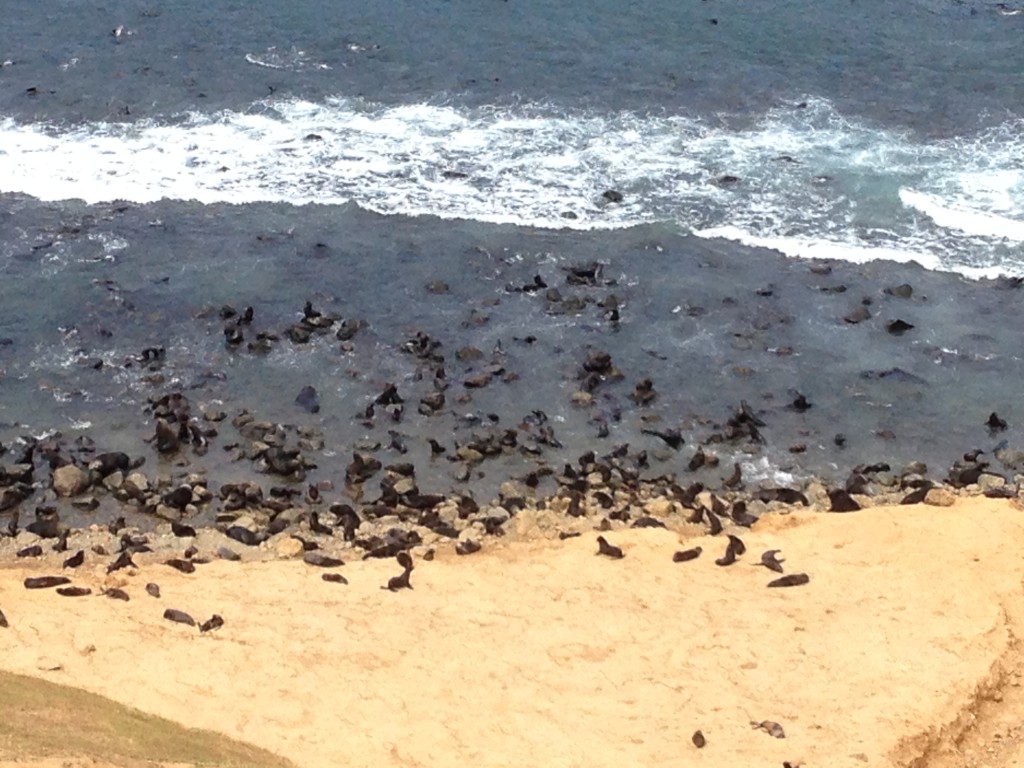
{"x": 308, "y": 400}
{"x": 70, "y": 480}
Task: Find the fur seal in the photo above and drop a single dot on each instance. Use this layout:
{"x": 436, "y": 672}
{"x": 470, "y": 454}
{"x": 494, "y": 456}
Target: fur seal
{"x": 687, "y": 555}
{"x": 793, "y": 580}
{"x": 34, "y": 551}
{"x": 75, "y": 560}
{"x": 116, "y": 594}
{"x": 698, "y": 739}
{"x": 182, "y": 531}
{"x": 770, "y": 561}
{"x": 153, "y": 590}
{"x": 608, "y": 550}
{"x": 735, "y": 479}
{"x": 841, "y": 501}
{"x": 563, "y": 535}
{"x": 3, "y": 620}
{"x": 45, "y": 582}
{"x": 770, "y": 727}
{"x": 185, "y": 566}
{"x": 212, "y": 623}
{"x": 180, "y": 617}
{"x": 123, "y": 560}
{"x": 740, "y": 516}
{"x": 321, "y": 560}
{"x": 335, "y": 578}
{"x": 734, "y": 548}
{"x": 396, "y": 583}
{"x": 74, "y": 591}
{"x": 467, "y": 547}
{"x": 714, "y": 524}
{"x": 228, "y": 554}
{"x": 995, "y": 423}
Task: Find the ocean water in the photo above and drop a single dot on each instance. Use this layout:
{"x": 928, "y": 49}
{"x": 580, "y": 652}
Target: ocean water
{"x": 745, "y": 175}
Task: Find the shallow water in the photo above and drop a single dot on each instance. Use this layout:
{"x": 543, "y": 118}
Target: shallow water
{"x": 266, "y": 155}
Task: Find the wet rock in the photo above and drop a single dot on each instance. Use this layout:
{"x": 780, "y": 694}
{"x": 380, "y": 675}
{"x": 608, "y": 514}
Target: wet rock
{"x": 903, "y": 291}
{"x": 70, "y": 480}
{"x": 858, "y": 315}
{"x": 898, "y": 327}
{"x": 308, "y": 400}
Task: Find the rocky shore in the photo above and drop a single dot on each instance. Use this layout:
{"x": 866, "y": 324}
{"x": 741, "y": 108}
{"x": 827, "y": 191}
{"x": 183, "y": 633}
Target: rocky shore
{"x": 376, "y": 509}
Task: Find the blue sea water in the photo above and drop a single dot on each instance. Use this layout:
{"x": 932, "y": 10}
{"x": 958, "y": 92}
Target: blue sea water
{"x": 157, "y": 158}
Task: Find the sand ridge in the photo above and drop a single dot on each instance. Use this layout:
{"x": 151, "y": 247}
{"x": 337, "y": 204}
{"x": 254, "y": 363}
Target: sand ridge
{"x": 543, "y": 653}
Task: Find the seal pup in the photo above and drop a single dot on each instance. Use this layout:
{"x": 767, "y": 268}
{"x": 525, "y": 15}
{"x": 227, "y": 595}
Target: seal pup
{"x": 75, "y": 560}
{"x": 687, "y": 555}
{"x": 793, "y": 580}
{"x": 212, "y": 623}
{"x": 396, "y": 583}
{"x": 3, "y": 620}
{"x": 608, "y": 550}
{"x": 698, "y": 739}
{"x": 335, "y": 578}
{"x": 153, "y": 590}
{"x": 116, "y": 594}
{"x": 34, "y": 551}
{"x": 770, "y": 560}
{"x": 180, "y": 617}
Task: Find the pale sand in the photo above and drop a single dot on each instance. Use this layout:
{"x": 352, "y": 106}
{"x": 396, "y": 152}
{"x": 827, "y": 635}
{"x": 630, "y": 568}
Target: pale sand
{"x": 542, "y": 654}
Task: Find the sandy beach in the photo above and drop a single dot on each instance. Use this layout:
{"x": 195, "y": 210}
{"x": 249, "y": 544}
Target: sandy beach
{"x": 901, "y": 649}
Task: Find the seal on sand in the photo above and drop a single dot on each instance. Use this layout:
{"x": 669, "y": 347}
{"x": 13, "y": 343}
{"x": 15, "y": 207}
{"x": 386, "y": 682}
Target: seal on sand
{"x": 793, "y": 580}
{"x": 74, "y": 591}
{"x": 116, "y": 594}
{"x": 396, "y": 583}
{"x": 75, "y": 560}
{"x": 185, "y": 566}
{"x": 214, "y": 622}
{"x": 733, "y": 549}
{"x": 770, "y": 560}
{"x": 321, "y": 560}
{"x": 608, "y": 550}
{"x": 698, "y": 739}
{"x": 153, "y": 589}
{"x": 45, "y": 582}
{"x": 180, "y": 617}
{"x": 687, "y": 555}
{"x": 335, "y": 578}
{"x": 3, "y": 620}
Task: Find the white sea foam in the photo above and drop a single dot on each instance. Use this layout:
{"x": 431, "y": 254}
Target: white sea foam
{"x": 806, "y": 181}
{"x": 960, "y": 217}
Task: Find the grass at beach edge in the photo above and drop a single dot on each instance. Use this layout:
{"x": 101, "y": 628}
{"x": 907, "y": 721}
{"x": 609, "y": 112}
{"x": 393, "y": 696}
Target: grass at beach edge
{"x": 40, "y": 719}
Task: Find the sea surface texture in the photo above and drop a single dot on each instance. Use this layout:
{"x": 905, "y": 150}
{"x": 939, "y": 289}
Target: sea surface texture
{"x": 741, "y": 202}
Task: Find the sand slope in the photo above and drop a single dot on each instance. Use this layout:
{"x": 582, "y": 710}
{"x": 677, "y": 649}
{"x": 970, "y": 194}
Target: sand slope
{"x": 541, "y": 653}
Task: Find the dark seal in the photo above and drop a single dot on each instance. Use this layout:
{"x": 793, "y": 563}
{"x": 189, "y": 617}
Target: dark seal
{"x": 608, "y": 550}
{"x": 46, "y": 582}
{"x": 179, "y": 617}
